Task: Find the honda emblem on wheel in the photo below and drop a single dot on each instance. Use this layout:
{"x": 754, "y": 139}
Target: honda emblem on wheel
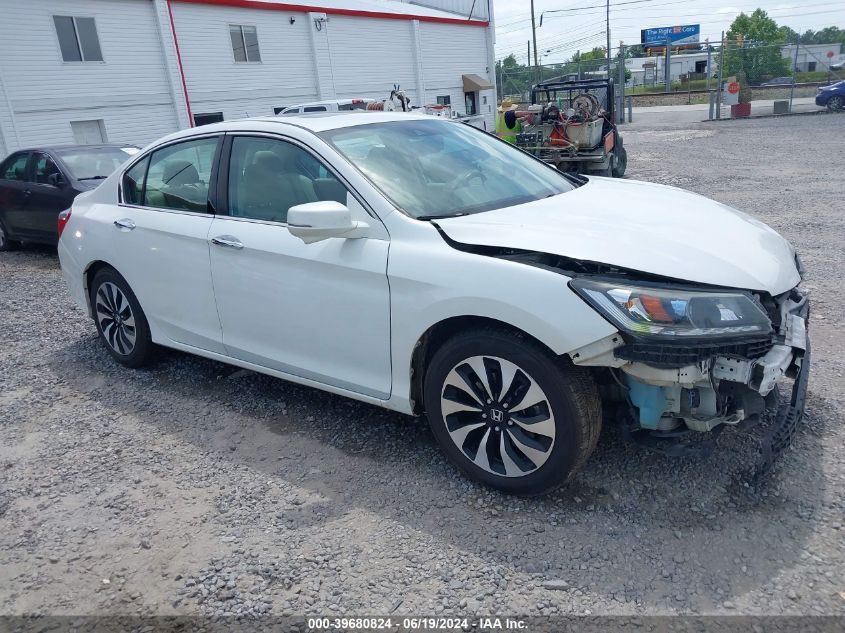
{"x": 496, "y": 415}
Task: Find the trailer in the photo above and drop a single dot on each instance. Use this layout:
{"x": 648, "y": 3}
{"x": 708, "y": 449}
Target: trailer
{"x": 570, "y": 124}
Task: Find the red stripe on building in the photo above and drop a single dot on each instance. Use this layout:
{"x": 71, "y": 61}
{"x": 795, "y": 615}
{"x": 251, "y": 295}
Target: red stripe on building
{"x": 181, "y": 68}
{"x": 304, "y": 8}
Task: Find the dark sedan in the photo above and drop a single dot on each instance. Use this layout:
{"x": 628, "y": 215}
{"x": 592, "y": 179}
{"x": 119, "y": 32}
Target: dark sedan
{"x": 38, "y": 184}
{"x": 832, "y": 97}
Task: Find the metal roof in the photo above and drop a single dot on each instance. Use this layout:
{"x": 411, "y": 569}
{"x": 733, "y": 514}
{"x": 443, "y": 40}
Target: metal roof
{"x": 384, "y": 9}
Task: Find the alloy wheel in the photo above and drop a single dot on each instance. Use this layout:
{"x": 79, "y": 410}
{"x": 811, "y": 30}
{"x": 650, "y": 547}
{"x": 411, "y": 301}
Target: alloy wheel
{"x": 114, "y": 315}
{"x": 3, "y": 238}
{"x": 498, "y": 416}
{"x": 836, "y": 103}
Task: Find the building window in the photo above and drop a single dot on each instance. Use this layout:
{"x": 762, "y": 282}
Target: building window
{"x": 444, "y": 100}
{"x": 78, "y": 39}
{"x": 244, "y": 43}
{"x": 88, "y": 132}
{"x": 470, "y": 99}
{"x": 207, "y": 118}
{"x": 811, "y": 67}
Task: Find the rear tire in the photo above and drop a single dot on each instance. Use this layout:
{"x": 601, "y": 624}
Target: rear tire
{"x": 120, "y": 321}
{"x": 490, "y": 429}
{"x": 5, "y": 243}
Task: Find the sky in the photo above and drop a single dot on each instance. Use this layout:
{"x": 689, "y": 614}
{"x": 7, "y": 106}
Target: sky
{"x": 582, "y": 26}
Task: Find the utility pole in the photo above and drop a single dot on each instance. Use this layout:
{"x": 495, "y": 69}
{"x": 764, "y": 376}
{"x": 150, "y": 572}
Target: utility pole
{"x": 719, "y": 85}
{"x": 534, "y": 37}
{"x": 709, "y": 56}
{"x": 794, "y": 68}
{"x": 667, "y": 70}
{"x": 607, "y": 27}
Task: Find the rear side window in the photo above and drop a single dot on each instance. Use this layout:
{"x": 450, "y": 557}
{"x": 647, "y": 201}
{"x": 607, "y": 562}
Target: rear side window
{"x": 133, "y": 182}
{"x": 15, "y": 167}
{"x": 179, "y": 174}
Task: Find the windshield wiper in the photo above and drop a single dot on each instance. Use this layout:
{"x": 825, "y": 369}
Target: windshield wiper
{"x": 93, "y": 178}
{"x": 440, "y": 217}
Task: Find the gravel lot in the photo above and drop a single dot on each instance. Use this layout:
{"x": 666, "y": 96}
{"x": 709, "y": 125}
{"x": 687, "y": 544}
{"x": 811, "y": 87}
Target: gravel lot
{"x": 197, "y": 488}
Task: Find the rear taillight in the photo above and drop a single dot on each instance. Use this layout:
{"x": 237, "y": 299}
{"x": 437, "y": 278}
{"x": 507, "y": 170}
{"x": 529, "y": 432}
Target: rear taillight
{"x": 64, "y": 216}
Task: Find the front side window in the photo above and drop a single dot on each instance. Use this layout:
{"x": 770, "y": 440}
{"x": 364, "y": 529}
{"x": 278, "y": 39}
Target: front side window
{"x": 268, "y": 176}
{"x": 78, "y": 39}
{"x": 15, "y": 167}
{"x": 315, "y": 109}
{"x": 436, "y": 168}
{"x": 179, "y": 174}
{"x": 44, "y": 168}
{"x": 244, "y": 43}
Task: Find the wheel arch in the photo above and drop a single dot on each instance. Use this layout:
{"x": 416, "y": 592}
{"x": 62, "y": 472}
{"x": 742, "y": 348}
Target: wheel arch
{"x": 442, "y": 331}
{"x": 88, "y": 278}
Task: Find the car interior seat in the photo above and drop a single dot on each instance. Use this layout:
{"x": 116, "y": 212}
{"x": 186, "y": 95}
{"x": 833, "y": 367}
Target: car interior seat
{"x": 182, "y": 187}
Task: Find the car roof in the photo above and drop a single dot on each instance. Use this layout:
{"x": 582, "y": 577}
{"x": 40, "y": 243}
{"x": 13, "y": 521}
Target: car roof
{"x": 64, "y": 148}
{"x": 313, "y": 121}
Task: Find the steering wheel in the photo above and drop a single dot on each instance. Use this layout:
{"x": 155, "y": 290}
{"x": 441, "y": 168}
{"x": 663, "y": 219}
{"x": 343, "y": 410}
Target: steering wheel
{"x": 464, "y": 178}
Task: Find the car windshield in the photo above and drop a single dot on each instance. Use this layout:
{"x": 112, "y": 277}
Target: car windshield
{"x": 436, "y": 168}
{"x": 94, "y": 163}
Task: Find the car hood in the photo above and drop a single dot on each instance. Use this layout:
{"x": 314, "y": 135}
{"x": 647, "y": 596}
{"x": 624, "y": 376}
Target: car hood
{"x": 642, "y": 227}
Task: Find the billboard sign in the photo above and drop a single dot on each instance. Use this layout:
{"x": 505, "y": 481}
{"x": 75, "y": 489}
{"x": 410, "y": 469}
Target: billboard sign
{"x": 677, "y": 35}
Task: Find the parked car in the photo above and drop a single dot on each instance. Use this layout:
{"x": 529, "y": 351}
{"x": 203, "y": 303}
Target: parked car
{"x": 427, "y": 267}
{"x": 832, "y": 97}
{"x": 778, "y": 81}
{"x": 37, "y": 184}
{"x": 335, "y": 105}
{"x": 837, "y": 62}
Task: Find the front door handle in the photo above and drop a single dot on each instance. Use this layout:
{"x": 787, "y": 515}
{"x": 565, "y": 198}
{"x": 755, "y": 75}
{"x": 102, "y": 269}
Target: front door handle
{"x": 125, "y": 223}
{"x": 228, "y": 241}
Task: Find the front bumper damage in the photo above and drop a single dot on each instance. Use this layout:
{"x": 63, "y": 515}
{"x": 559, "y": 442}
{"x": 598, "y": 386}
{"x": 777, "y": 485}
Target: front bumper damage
{"x": 674, "y": 391}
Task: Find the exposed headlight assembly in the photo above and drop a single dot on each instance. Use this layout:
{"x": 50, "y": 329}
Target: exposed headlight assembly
{"x": 674, "y": 314}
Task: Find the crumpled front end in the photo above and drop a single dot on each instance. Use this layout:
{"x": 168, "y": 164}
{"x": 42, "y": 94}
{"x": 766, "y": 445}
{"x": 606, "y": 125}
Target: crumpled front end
{"x": 676, "y": 387}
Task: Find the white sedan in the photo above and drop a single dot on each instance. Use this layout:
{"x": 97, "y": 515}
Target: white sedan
{"x": 424, "y": 266}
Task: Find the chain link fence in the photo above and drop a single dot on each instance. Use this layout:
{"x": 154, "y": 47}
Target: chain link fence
{"x": 771, "y": 70}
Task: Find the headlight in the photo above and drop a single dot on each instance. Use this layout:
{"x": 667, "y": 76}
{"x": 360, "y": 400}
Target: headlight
{"x": 674, "y": 313}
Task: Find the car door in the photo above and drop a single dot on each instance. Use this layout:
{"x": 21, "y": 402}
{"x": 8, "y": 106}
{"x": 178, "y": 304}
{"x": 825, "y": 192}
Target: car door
{"x": 160, "y": 239}
{"x": 319, "y": 311}
{"x": 14, "y": 195}
{"x": 49, "y": 197}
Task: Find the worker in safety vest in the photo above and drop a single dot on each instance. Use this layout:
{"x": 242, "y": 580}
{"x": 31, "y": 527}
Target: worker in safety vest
{"x": 507, "y": 123}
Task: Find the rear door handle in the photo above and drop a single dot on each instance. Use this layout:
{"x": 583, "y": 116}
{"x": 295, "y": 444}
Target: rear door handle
{"x": 228, "y": 241}
{"x": 124, "y": 223}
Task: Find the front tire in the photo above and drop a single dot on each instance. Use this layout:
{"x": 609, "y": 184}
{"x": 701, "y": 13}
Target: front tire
{"x": 835, "y": 103}
{"x": 120, "y": 321}
{"x": 620, "y": 161}
{"x": 509, "y": 413}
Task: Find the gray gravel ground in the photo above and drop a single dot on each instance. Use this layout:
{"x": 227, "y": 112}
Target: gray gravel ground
{"x": 193, "y": 487}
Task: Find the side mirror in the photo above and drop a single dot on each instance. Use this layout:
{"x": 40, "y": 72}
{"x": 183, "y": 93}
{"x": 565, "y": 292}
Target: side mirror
{"x": 56, "y": 179}
{"x": 316, "y": 221}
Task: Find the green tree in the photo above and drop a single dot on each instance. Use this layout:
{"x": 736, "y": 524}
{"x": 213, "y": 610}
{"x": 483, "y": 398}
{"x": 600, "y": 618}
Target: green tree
{"x": 754, "y": 45}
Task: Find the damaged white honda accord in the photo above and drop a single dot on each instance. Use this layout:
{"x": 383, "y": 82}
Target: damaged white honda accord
{"x": 427, "y": 267}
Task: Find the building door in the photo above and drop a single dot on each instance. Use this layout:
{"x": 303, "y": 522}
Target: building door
{"x": 471, "y": 102}
{"x": 88, "y": 132}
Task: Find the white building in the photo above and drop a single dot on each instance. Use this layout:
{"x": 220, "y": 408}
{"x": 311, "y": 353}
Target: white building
{"x": 129, "y": 71}
{"x": 812, "y": 57}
